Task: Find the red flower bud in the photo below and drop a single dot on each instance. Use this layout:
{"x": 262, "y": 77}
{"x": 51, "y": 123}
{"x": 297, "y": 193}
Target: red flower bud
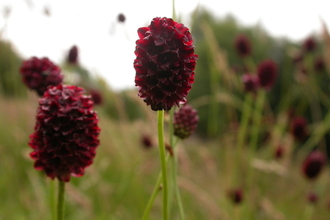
{"x": 185, "y": 121}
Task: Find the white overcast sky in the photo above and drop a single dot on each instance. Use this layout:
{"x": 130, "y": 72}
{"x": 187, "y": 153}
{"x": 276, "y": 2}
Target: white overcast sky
{"x": 107, "y": 47}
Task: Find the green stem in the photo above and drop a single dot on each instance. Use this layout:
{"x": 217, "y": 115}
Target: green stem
{"x": 318, "y": 133}
{"x": 160, "y": 123}
{"x": 52, "y": 199}
{"x": 244, "y": 121}
{"x": 257, "y": 115}
{"x": 60, "y": 200}
{"x": 213, "y": 106}
{"x": 152, "y": 198}
{"x": 173, "y": 10}
{"x": 257, "y": 120}
{"x": 246, "y": 112}
{"x": 176, "y": 187}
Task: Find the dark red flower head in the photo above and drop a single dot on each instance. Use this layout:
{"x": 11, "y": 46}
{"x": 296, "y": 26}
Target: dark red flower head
{"x": 96, "y": 96}
{"x": 66, "y": 133}
{"x": 319, "y": 64}
{"x": 243, "y": 45}
{"x": 267, "y": 73}
{"x": 309, "y": 44}
{"x": 164, "y": 64}
{"x": 38, "y": 74}
{"x": 236, "y": 195}
{"x": 121, "y": 17}
{"x": 73, "y": 55}
{"x": 250, "y": 82}
{"x": 312, "y": 197}
{"x": 298, "y": 128}
{"x": 313, "y": 164}
{"x": 279, "y": 151}
{"x": 146, "y": 141}
{"x": 185, "y": 121}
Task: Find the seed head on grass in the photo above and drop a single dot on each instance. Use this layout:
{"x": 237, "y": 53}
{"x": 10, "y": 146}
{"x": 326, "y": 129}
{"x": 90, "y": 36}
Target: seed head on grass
{"x": 185, "y": 121}
{"x": 38, "y": 74}
{"x": 66, "y": 133}
{"x": 164, "y": 64}
{"x": 314, "y": 164}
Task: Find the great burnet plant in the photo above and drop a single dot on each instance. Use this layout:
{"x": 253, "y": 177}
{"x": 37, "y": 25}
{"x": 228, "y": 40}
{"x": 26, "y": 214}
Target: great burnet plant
{"x": 65, "y": 135}
{"x": 165, "y": 63}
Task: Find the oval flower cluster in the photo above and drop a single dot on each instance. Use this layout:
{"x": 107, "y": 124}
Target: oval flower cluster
{"x": 38, "y": 74}
{"x": 185, "y": 121}
{"x": 164, "y": 64}
{"x": 66, "y": 132}
{"x": 314, "y": 164}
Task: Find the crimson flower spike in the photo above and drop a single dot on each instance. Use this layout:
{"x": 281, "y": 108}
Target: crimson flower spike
{"x": 164, "y": 64}
{"x": 38, "y": 74}
{"x": 66, "y": 133}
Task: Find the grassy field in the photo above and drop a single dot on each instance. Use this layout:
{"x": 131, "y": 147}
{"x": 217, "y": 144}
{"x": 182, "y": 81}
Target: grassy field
{"x": 118, "y": 185}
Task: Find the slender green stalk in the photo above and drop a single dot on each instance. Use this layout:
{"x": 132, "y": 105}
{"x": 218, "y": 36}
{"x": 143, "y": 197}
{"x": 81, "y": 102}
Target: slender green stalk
{"x": 174, "y": 165}
{"x": 52, "y": 199}
{"x": 173, "y": 10}
{"x": 154, "y": 193}
{"x": 246, "y": 112}
{"x": 257, "y": 115}
{"x": 160, "y": 123}
{"x": 244, "y": 121}
{"x": 213, "y": 106}
{"x": 152, "y": 198}
{"x": 60, "y": 200}
{"x": 176, "y": 187}
{"x": 318, "y": 133}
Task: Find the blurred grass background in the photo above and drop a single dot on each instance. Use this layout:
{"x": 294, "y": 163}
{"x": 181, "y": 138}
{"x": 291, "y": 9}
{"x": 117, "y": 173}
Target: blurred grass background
{"x": 118, "y": 185}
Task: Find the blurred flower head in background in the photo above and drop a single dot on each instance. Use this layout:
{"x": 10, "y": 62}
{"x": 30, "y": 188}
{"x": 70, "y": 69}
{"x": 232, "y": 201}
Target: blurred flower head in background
{"x": 73, "y": 55}
{"x": 267, "y": 73}
{"x": 236, "y": 195}
{"x": 313, "y": 164}
{"x": 38, "y": 74}
{"x": 298, "y": 128}
{"x": 242, "y": 45}
{"x": 250, "y": 82}
{"x": 121, "y": 18}
{"x": 309, "y": 45}
{"x": 96, "y": 96}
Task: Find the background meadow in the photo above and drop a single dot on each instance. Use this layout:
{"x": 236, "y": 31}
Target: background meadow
{"x": 118, "y": 184}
